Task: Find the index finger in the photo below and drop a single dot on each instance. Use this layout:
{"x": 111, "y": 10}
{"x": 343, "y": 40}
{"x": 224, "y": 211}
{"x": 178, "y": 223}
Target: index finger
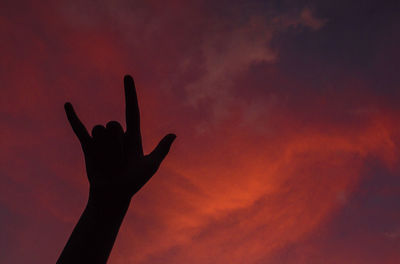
{"x": 132, "y": 116}
{"x": 77, "y": 126}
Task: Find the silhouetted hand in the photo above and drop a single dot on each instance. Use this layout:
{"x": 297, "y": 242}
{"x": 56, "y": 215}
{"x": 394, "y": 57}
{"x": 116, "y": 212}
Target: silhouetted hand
{"x": 117, "y": 169}
{"x": 115, "y": 164}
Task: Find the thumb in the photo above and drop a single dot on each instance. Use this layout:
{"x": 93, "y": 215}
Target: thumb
{"x": 162, "y": 149}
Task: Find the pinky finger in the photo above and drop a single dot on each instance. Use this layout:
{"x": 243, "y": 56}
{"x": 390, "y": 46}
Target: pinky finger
{"x": 77, "y": 126}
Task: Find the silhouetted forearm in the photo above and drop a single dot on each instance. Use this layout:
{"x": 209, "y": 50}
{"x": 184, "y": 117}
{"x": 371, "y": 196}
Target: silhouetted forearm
{"x": 93, "y": 237}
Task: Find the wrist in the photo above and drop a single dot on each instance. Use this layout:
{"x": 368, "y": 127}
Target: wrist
{"x": 101, "y": 200}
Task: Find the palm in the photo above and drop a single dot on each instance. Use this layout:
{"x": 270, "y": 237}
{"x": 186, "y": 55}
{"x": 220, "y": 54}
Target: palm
{"x": 115, "y": 163}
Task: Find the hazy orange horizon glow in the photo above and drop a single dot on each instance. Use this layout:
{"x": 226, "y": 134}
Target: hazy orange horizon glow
{"x": 286, "y": 115}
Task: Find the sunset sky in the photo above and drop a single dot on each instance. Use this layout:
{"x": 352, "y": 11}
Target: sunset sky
{"x": 286, "y": 113}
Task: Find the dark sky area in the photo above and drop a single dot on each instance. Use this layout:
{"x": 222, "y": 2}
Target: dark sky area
{"x": 286, "y": 112}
